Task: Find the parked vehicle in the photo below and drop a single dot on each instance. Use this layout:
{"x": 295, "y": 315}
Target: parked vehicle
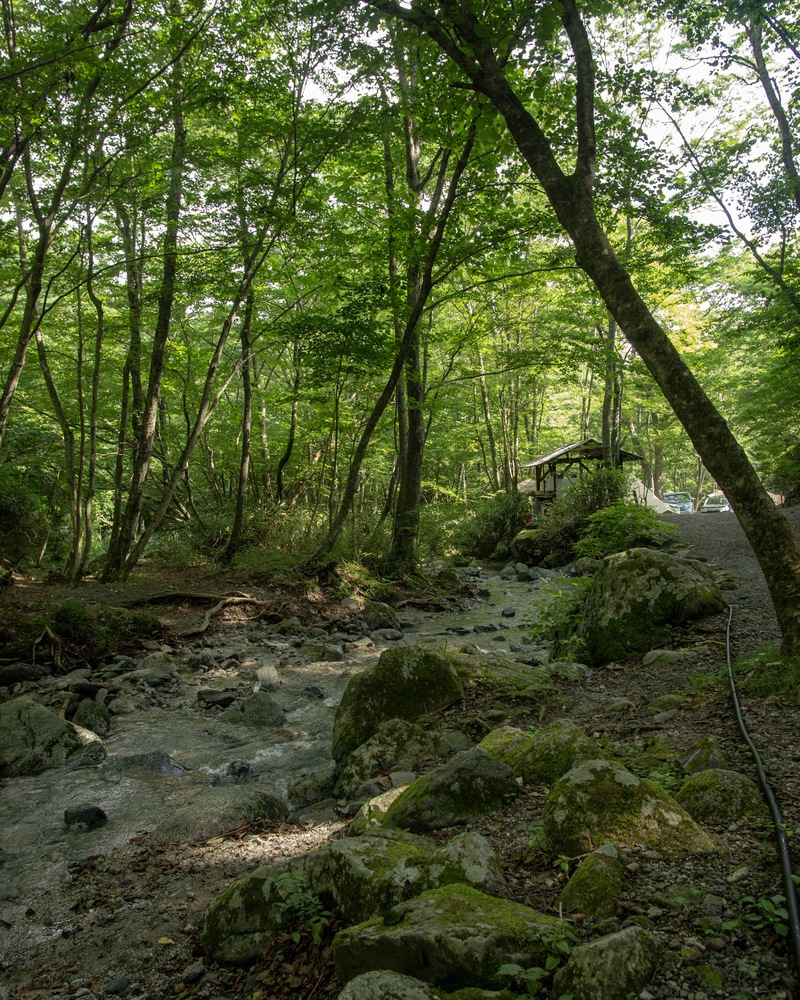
{"x": 715, "y": 503}
{"x": 681, "y": 503}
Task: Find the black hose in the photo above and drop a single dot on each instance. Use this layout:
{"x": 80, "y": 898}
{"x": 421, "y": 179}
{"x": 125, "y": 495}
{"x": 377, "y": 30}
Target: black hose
{"x": 777, "y": 820}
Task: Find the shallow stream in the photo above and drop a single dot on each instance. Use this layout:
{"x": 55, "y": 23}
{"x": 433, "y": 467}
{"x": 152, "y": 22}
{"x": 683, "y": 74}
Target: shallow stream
{"x": 162, "y": 758}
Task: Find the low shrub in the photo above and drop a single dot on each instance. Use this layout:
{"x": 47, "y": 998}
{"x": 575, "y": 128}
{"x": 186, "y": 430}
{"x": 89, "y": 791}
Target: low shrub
{"x": 624, "y": 525}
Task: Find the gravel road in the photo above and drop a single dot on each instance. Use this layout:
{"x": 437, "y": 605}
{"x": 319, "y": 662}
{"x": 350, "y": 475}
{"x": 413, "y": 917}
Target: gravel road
{"x": 719, "y": 539}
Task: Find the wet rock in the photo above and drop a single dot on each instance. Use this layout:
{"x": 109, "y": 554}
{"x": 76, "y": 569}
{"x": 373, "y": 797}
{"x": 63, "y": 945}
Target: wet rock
{"x": 470, "y": 784}
{"x": 92, "y": 716}
{"x": 406, "y": 683}
{"x": 85, "y": 817}
{"x": 377, "y": 615}
{"x": 155, "y": 761}
{"x": 13, "y": 673}
{"x": 322, "y": 652}
{"x": 33, "y": 739}
{"x": 609, "y": 967}
{"x": 260, "y": 709}
{"x": 157, "y": 670}
{"x": 599, "y": 802}
{"x": 212, "y": 698}
{"x": 454, "y": 935}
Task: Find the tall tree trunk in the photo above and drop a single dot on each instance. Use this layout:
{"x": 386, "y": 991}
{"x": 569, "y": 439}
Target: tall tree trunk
{"x": 125, "y": 542}
{"x": 234, "y": 539}
{"x": 611, "y": 397}
{"x": 468, "y": 43}
{"x": 494, "y": 472}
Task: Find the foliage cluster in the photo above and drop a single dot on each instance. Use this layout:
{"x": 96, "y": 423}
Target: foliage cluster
{"x": 624, "y": 525}
{"x": 493, "y": 522}
{"x": 564, "y": 522}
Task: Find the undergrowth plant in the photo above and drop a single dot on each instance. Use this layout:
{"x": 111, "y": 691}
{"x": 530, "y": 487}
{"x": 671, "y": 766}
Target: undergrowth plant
{"x": 301, "y": 907}
{"x": 555, "y": 615}
{"x": 625, "y": 524}
{"x": 560, "y": 941}
{"x": 99, "y": 629}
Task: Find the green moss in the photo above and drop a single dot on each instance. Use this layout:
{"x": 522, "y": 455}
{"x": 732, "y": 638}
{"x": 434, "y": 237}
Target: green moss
{"x": 543, "y": 755}
{"x": 471, "y": 784}
{"x": 600, "y": 802}
{"x": 405, "y": 683}
{"x": 594, "y": 888}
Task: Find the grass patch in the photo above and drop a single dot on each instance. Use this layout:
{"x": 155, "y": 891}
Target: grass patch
{"x": 764, "y": 674}
{"x": 97, "y": 630}
{"x": 767, "y": 674}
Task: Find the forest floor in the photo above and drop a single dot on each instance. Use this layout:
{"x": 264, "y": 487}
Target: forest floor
{"x": 128, "y": 923}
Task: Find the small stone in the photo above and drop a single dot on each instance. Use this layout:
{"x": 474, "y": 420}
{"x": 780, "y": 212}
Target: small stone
{"x": 85, "y": 817}
{"x": 192, "y": 973}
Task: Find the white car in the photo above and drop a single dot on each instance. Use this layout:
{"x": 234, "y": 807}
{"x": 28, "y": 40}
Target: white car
{"x": 715, "y": 503}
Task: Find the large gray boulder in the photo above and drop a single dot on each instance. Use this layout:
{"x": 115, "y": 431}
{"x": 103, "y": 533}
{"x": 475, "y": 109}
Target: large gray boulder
{"x": 33, "y": 739}
{"x": 470, "y": 784}
{"x": 600, "y": 802}
{"x": 454, "y": 935}
{"x": 612, "y": 967}
{"x": 636, "y": 595}
{"x": 260, "y": 709}
{"x": 398, "y": 746}
{"x": 406, "y": 683}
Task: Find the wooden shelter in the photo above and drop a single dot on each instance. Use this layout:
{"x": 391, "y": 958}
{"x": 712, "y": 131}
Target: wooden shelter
{"x": 553, "y": 473}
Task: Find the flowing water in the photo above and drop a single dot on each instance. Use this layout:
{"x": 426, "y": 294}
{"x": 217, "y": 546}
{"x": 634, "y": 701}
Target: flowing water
{"x": 161, "y": 759}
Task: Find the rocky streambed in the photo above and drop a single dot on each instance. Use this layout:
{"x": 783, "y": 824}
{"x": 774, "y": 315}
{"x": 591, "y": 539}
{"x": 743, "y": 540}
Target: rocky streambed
{"x": 221, "y": 763}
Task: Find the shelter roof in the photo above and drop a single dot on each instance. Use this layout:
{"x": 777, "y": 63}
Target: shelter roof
{"x": 579, "y": 449}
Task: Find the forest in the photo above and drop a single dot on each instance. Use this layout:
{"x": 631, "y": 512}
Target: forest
{"x": 287, "y": 279}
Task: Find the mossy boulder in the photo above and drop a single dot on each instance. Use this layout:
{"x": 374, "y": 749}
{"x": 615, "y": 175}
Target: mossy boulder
{"x": 601, "y": 802}
{"x": 455, "y": 936}
{"x": 543, "y": 755}
{"x": 704, "y": 754}
{"x": 398, "y": 745}
{"x": 636, "y": 596}
{"x": 530, "y": 546}
{"x": 594, "y": 888}
{"x": 717, "y": 795}
{"x": 33, "y": 739}
{"x": 611, "y": 967}
{"x": 246, "y": 918}
{"x": 470, "y": 784}
{"x": 381, "y": 868}
{"x": 406, "y": 683}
